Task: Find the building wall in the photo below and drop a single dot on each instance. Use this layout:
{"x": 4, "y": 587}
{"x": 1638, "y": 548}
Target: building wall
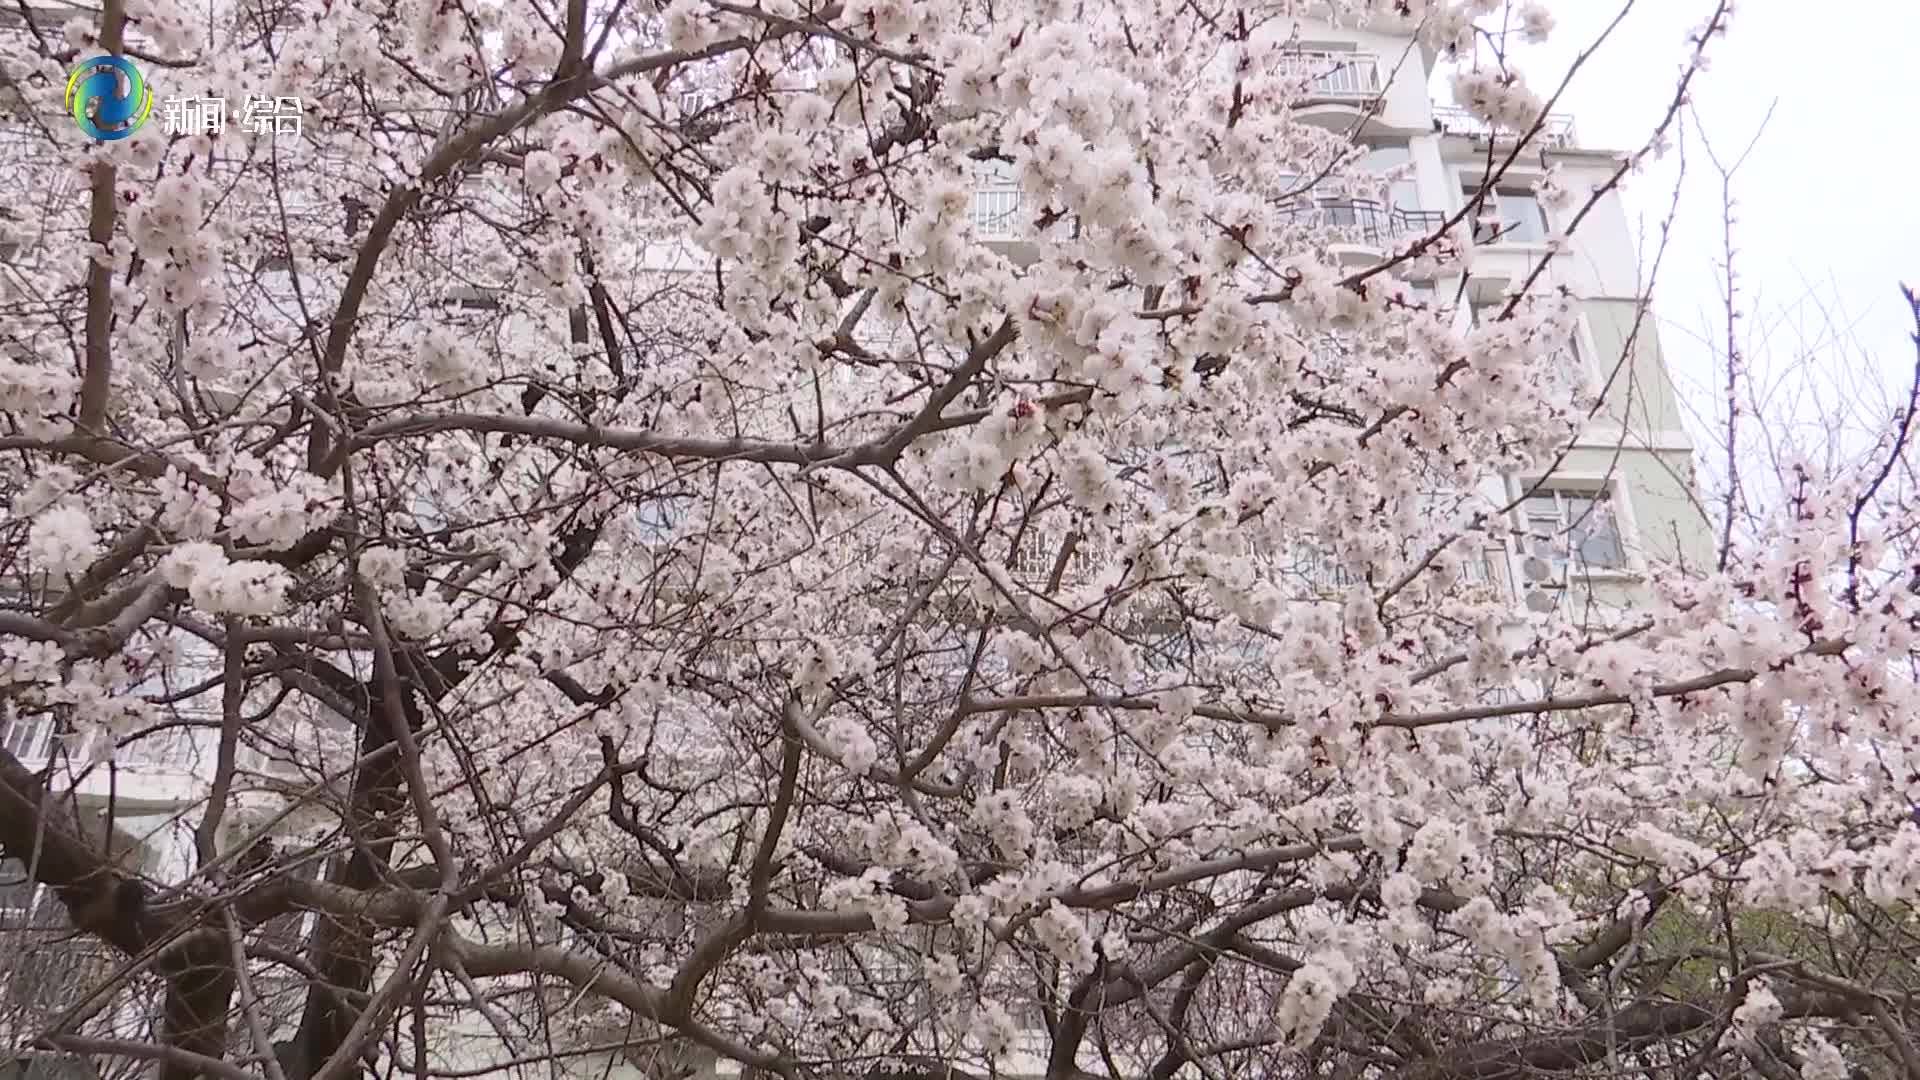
{"x": 1637, "y": 444}
{"x": 1640, "y": 394}
{"x": 1402, "y": 68}
{"x": 1665, "y": 522}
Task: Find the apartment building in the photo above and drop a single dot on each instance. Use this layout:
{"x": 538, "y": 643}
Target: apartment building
{"x": 1621, "y": 501}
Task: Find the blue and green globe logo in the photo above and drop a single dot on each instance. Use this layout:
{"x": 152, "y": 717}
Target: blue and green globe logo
{"x": 108, "y": 98}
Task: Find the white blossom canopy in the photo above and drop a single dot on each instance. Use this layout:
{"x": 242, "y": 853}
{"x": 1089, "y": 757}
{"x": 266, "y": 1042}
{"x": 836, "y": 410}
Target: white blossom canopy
{"x": 649, "y": 558}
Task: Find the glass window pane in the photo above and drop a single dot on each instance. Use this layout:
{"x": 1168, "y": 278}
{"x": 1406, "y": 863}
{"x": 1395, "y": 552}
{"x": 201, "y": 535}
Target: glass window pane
{"x": 993, "y": 173}
{"x": 1381, "y": 158}
{"x": 1521, "y": 218}
{"x": 28, "y": 738}
{"x": 1598, "y": 539}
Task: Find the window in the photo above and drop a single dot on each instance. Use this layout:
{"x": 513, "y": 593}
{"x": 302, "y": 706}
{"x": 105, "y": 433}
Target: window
{"x": 291, "y": 930}
{"x": 1317, "y": 570}
{"x": 996, "y": 201}
{"x": 29, "y": 738}
{"x": 1403, "y": 193}
{"x": 1508, "y": 216}
{"x": 1576, "y": 361}
{"x": 655, "y": 520}
{"x": 995, "y": 210}
{"x": 1571, "y": 360}
{"x": 1033, "y": 560}
{"x": 695, "y": 100}
{"x": 1575, "y": 528}
{"x": 180, "y": 749}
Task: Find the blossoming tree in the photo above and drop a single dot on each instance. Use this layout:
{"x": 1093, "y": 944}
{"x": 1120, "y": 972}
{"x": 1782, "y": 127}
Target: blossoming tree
{"x": 647, "y": 565}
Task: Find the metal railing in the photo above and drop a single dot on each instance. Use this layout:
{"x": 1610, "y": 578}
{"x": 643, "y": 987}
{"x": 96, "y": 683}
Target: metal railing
{"x": 1556, "y": 131}
{"x": 995, "y": 215}
{"x": 175, "y": 749}
{"x": 995, "y": 211}
{"x": 1034, "y": 560}
{"x": 1363, "y": 221}
{"x": 1315, "y": 571}
{"x": 1340, "y": 75}
{"x": 1325, "y": 576}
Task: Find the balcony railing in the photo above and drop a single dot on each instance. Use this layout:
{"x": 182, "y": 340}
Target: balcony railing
{"x": 1315, "y": 572}
{"x": 1363, "y": 221}
{"x": 1326, "y": 577}
{"x": 996, "y": 216}
{"x": 176, "y": 749}
{"x": 1555, "y": 133}
{"x": 995, "y": 212}
{"x": 1343, "y": 76}
{"x": 1033, "y": 562}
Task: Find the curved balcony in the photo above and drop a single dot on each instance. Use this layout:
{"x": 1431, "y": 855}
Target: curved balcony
{"x": 1556, "y": 131}
{"x": 1362, "y": 221}
{"x": 1336, "y": 76}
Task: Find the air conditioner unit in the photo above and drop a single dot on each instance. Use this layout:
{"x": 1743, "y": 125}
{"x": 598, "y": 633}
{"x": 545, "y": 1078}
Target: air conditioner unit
{"x": 1542, "y": 581}
{"x": 472, "y": 298}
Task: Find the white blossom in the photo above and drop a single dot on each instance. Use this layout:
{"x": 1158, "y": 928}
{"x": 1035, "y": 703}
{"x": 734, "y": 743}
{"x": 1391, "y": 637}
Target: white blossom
{"x": 63, "y": 542}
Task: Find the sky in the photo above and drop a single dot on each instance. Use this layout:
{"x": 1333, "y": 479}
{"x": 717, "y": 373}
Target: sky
{"x": 1827, "y": 215}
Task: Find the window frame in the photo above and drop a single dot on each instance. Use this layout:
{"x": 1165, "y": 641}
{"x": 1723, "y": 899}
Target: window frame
{"x": 1585, "y": 355}
{"x": 1607, "y": 490}
{"x": 44, "y": 735}
{"x": 1515, "y": 183}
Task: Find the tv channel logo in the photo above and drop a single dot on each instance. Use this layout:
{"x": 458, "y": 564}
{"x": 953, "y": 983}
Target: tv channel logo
{"x": 108, "y": 98}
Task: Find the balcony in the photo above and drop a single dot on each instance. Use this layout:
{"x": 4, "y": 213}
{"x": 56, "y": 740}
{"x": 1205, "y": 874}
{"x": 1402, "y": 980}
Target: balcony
{"x": 1320, "y": 576}
{"x": 162, "y": 768}
{"x": 1556, "y": 133}
{"x": 173, "y": 749}
{"x": 996, "y": 217}
{"x": 1362, "y": 221}
{"x": 1311, "y": 572}
{"x": 1337, "y": 76}
{"x": 1032, "y": 563}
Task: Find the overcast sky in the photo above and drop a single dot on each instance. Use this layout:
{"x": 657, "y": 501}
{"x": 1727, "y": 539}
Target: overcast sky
{"x": 1829, "y": 199}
